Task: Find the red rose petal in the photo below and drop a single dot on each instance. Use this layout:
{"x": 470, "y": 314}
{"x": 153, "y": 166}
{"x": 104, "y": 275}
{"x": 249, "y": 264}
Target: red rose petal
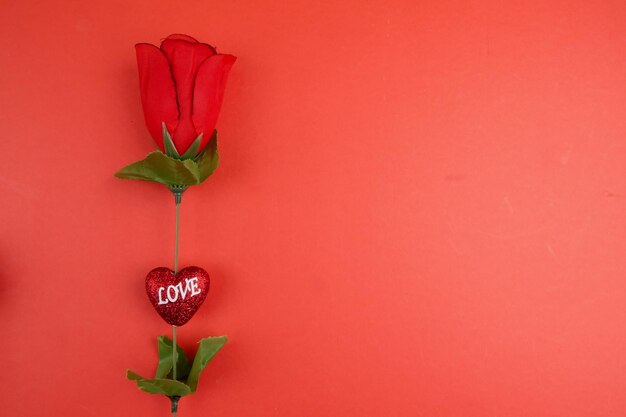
{"x": 185, "y": 58}
{"x": 209, "y": 92}
{"x": 158, "y": 94}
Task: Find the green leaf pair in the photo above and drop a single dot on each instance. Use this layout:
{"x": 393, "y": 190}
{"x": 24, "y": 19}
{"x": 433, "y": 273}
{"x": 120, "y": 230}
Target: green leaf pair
{"x": 172, "y": 169}
{"x": 188, "y": 374}
{"x": 170, "y": 148}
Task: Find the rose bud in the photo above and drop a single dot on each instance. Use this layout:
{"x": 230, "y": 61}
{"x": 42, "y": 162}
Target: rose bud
{"x": 182, "y": 85}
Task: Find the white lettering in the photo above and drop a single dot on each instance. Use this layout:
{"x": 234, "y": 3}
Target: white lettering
{"x": 170, "y": 297}
{"x": 193, "y": 283}
{"x": 184, "y": 290}
{"x": 173, "y": 291}
{"x": 161, "y": 301}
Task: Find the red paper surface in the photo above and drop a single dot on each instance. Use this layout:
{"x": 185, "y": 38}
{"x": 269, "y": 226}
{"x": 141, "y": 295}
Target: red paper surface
{"x": 420, "y": 209}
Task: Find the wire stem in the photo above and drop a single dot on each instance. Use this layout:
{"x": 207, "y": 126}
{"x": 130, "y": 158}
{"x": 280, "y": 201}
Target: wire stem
{"x": 178, "y": 193}
{"x": 177, "y": 199}
{"x": 174, "y": 353}
{"x": 176, "y": 240}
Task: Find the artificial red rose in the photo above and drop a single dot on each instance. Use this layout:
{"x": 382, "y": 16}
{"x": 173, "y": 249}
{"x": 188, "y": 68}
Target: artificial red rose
{"x": 182, "y": 85}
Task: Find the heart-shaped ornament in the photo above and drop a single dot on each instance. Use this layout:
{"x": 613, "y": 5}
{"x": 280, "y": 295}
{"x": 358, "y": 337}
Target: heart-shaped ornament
{"x": 177, "y": 297}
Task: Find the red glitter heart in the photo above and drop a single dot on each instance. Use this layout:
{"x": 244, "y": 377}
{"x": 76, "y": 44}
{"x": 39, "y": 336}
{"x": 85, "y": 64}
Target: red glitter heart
{"x": 177, "y": 297}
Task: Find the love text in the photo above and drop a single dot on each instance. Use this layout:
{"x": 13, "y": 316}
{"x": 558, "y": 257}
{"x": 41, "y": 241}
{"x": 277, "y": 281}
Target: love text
{"x": 173, "y": 292}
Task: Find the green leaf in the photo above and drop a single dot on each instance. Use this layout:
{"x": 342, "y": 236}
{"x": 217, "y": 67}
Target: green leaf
{"x": 168, "y": 170}
{"x": 161, "y": 168}
{"x": 206, "y": 351}
{"x": 209, "y": 159}
{"x": 168, "y": 143}
{"x": 192, "y": 151}
{"x": 165, "y": 360}
{"x": 167, "y": 387}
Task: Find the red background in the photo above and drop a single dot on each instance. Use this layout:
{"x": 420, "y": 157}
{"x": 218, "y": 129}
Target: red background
{"x": 419, "y": 210}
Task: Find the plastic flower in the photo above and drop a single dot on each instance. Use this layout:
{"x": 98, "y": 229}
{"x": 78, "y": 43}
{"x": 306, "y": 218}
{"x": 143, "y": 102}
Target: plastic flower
{"x": 182, "y": 85}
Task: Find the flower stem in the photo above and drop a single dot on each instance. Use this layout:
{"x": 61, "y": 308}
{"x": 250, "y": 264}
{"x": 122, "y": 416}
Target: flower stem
{"x": 178, "y": 194}
{"x": 174, "y": 352}
{"x": 177, "y": 198}
{"x": 176, "y": 240}
{"x": 174, "y": 401}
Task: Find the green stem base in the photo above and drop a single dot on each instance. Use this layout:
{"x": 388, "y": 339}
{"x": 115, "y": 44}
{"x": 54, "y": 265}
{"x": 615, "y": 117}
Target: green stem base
{"x": 174, "y": 405}
{"x": 178, "y": 191}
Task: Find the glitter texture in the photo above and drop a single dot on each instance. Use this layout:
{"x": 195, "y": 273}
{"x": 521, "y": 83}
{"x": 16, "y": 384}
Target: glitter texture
{"x": 177, "y": 297}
